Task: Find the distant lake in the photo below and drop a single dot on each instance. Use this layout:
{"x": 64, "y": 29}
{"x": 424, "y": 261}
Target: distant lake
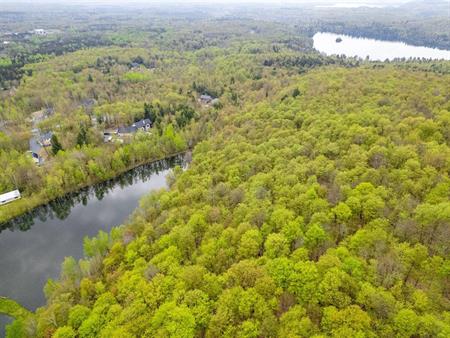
{"x": 351, "y": 5}
{"x": 377, "y": 50}
{"x": 33, "y": 246}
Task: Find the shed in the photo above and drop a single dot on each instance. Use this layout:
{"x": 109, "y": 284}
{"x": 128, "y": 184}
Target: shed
{"x": 9, "y": 197}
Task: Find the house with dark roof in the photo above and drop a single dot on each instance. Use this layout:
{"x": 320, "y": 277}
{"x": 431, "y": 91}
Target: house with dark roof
{"x": 143, "y": 125}
{"x": 46, "y": 139}
{"x": 36, "y": 151}
{"x": 126, "y": 130}
{"x": 37, "y": 144}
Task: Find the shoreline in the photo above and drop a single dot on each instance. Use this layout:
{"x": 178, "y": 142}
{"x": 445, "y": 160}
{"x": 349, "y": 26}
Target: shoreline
{"x": 28, "y": 208}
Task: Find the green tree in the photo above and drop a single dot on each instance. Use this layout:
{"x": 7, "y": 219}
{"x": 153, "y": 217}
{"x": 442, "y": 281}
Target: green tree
{"x": 56, "y": 146}
{"x": 276, "y": 245}
{"x": 82, "y": 137}
{"x": 250, "y": 244}
{"x": 64, "y": 332}
{"x": 172, "y": 321}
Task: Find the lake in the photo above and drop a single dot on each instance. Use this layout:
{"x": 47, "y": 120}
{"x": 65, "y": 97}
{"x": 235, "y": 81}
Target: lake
{"x": 33, "y": 246}
{"x": 377, "y": 50}
{"x": 351, "y": 5}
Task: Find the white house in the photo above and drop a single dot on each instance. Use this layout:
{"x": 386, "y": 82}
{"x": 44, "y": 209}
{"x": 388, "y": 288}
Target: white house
{"x": 9, "y": 197}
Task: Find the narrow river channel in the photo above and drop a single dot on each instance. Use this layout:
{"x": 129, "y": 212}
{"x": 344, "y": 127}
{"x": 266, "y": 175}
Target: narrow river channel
{"x": 33, "y": 246}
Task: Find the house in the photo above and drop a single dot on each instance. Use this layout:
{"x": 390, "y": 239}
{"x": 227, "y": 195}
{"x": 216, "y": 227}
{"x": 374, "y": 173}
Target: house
{"x": 36, "y": 151}
{"x": 205, "y": 99}
{"x": 46, "y": 139}
{"x": 37, "y": 146}
{"x": 9, "y": 197}
{"x": 121, "y": 131}
{"x": 143, "y": 125}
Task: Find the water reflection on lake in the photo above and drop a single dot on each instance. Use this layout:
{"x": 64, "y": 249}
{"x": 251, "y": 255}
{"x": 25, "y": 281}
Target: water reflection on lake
{"x": 377, "y": 50}
{"x": 33, "y": 246}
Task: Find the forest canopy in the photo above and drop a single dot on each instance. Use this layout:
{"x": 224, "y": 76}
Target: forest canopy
{"x": 317, "y": 200}
{"x": 324, "y": 214}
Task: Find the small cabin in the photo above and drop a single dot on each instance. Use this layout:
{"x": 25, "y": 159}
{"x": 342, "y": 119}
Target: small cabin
{"x": 9, "y": 197}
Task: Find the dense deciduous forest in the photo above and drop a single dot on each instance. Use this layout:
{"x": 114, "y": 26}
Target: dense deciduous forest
{"x": 317, "y": 200}
{"x": 323, "y": 211}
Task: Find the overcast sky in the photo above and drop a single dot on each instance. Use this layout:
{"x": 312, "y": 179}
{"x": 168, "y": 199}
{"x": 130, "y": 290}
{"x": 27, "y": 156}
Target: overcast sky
{"x": 386, "y": 2}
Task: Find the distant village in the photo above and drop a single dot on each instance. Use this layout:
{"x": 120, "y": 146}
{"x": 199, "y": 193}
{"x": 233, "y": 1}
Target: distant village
{"x": 8, "y": 37}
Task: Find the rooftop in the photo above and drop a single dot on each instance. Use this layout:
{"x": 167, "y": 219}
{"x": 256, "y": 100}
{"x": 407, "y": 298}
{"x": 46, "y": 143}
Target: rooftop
{"x": 142, "y": 123}
{"x": 10, "y": 195}
{"x": 35, "y": 147}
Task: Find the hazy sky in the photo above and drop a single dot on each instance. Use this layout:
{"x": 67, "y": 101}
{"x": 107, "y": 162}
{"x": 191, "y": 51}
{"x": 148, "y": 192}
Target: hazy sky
{"x": 386, "y": 2}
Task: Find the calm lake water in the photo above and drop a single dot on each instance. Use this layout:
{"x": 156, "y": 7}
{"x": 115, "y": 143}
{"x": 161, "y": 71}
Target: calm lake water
{"x": 377, "y": 50}
{"x": 351, "y": 5}
{"x": 33, "y": 246}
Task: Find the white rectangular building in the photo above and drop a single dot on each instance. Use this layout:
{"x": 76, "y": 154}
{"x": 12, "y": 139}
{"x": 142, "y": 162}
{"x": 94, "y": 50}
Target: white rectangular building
{"x": 9, "y": 197}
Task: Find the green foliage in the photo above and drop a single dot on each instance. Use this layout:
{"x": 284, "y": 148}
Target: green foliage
{"x": 172, "y": 321}
{"x": 77, "y": 315}
{"x": 21, "y": 315}
{"x": 13, "y": 309}
{"x": 285, "y": 228}
{"x": 136, "y": 77}
{"x": 315, "y": 205}
{"x": 16, "y": 330}
{"x": 64, "y": 332}
{"x": 56, "y": 145}
{"x": 97, "y": 245}
{"x": 5, "y": 62}
{"x": 82, "y": 137}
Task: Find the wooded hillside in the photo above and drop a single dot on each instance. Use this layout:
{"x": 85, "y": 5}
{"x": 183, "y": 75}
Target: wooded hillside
{"x": 323, "y": 211}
